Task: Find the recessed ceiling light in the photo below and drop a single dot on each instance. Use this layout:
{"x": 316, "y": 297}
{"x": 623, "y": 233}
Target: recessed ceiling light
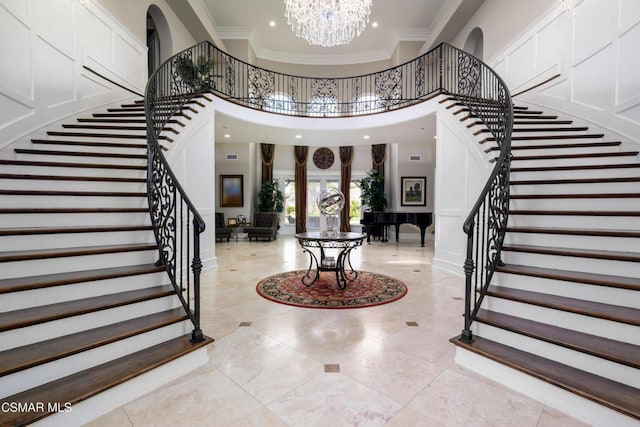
{"x": 374, "y": 24}
{"x": 366, "y": 137}
{"x": 226, "y": 135}
{"x": 272, "y": 23}
{"x": 298, "y": 136}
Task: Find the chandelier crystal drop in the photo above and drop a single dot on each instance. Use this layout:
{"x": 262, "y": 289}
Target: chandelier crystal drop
{"x": 328, "y": 22}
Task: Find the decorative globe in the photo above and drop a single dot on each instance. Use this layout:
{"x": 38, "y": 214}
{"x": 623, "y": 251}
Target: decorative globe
{"x": 330, "y": 201}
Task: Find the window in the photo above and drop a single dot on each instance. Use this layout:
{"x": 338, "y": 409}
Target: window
{"x": 289, "y": 202}
{"x": 367, "y": 104}
{"x": 314, "y": 186}
{"x": 323, "y": 106}
{"x": 355, "y": 204}
{"x": 280, "y": 103}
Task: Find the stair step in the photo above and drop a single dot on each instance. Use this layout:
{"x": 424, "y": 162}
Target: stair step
{"x": 89, "y": 144}
{"x": 21, "y": 358}
{"x": 575, "y": 232}
{"x": 125, "y": 121}
{"x": 611, "y": 394}
{"x": 575, "y": 181}
{"x": 120, "y": 114}
{"x": 615, "y": 351}
{"x": 12, "y": 256}
{"x": 105, "y": 135}
{"x": 545, "y": 137}
{"x": 575, "y": 167}
{"x": 577, "y": 196}
{"x": 573, "y": 276}
{"x": 581, "y": 253}
{"x": 85, "y": 384}
{"x": 575, "y": 213}
{"x": 70, "y": 178}
{"x": 69, "y": 278}
{"x": 41, "y": 314}
{"x": 80, "y": 154}
{"x": 71, "y": 229}
{"x": 71, "y": 165}
{"x": 558, "y": 146}
{"x": 542, "y": 129}
{"x": 71, "y": 193}
{"x": 599, "y": 310}
{"x": 572, "y": 156}
{"x": 109, "y": 127}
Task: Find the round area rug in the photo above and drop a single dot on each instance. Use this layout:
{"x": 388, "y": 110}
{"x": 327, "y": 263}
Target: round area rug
{"x": 367, "y": 290}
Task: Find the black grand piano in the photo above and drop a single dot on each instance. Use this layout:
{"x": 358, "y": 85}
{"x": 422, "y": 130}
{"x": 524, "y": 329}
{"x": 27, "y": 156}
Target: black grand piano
{"x": 373, "y": 221}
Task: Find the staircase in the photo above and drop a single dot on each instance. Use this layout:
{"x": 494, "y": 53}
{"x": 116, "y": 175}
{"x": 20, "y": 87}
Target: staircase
{"x": 83, "y": 305}
{"x": 565, "y": 306}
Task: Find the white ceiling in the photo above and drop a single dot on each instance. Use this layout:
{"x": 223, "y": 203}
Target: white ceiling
{"x": 428, "y": 21}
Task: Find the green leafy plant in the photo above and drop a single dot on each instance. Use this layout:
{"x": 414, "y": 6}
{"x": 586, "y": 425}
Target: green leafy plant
{"x": 372, "y": 191}
{"x": 196, "y": 76}
{"x": 270, "y": 197}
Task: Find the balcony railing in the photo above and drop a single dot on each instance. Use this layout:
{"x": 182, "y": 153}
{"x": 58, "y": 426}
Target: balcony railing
{"x": 445, "y": 70}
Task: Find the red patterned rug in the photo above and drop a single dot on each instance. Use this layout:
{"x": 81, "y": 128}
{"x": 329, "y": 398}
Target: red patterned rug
{"x": 367, "y": 290}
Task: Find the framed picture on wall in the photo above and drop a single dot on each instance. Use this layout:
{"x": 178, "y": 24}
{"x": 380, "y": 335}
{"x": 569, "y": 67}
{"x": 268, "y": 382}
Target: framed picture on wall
{"x": 231, "y": 191}
{"x": 413, "y": 190}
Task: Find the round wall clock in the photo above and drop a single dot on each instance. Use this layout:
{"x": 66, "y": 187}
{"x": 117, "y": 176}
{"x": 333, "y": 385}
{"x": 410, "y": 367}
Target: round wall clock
{"x": 323, "y": 158}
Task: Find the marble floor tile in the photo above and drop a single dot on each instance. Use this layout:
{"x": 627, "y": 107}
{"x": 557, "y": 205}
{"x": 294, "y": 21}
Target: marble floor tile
{"x": 271, "y": 373}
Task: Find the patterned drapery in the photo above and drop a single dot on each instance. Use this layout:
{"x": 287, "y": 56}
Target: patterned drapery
{"x": 300, "y": 154}
{"x": 267, "y": 161}
{"x": 346, "y": 158}
{"x": 378, "y": 155}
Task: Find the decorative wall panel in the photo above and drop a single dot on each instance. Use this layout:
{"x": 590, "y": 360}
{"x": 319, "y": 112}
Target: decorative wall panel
{"x": 628, "y": 82}
{"x": 54, "y": 23}
{"x": 50, "y": 62}
{"x": 14, "y": 44}
{"x": 594, "y": 25}
{"x": 591, "y": 87}
{"x": 526, "y": 62}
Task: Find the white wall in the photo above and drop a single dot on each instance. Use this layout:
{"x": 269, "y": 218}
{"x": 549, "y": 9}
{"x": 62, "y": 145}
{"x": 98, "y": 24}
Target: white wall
{"x": 241, "y": 166}
{"x": 595, "y": 50}
{"x": 460, "y": 175}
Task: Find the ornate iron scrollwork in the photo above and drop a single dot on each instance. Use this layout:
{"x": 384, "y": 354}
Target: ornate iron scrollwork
{"x": 261, "y": 85}
{"x": 419, "y": 77}
{"x": 389, "y": 86}
{"x": 468, "y": 76}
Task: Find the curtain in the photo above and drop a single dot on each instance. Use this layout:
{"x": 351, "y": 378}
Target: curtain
{"x": 267, "y": 161}
{"x": 346, "y": 158}
{"x": 378, "y": 155}
{"x": 300, "y": 154}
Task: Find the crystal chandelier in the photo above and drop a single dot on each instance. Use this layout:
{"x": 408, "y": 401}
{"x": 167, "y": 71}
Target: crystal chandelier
{"x": 328, "y": 22}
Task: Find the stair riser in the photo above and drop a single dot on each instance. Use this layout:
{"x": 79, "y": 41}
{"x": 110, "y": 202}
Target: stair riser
{"x": 64, "y": 171}
{"x": 598, "y": 366}
{"x": 61, "y": 265}
{"x": 602, "y": 294}
{"x": 55, "y": 294}
{"x": 91, "y": 132}
{"x": 57, "y": 185}
{"x": 568, "y": 221}
{"x": 559, "y": 151}
{"x": 76, "y": 240}
{"x": 24, "y": 380}
{"x": 133, "y": 149}
{"x": 586, "y": 265}
{"x": 587, "y": 324}
{"x": 574, "y": 174}
{"x": 82, "y": 159}
{"x": 627, "y": 204}
{"x": 587, "y": 188}
{"x": 614, "y": 160}
{"x": 57, "y": 328}
{"x": 74, "y": 219}
{"x": 44, "y": 201}
{"x": 583, "y": 242}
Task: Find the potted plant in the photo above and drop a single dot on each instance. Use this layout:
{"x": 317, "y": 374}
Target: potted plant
{"x": 270, "y": 197}
{"x": 372, "y": 191}
{"x": 195, "y": 75}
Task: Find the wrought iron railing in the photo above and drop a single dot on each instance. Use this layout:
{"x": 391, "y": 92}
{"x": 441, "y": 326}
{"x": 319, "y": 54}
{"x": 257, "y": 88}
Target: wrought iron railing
{"x": 443, "y": 70}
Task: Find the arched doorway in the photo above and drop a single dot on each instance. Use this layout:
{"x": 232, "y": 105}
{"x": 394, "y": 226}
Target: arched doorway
{"x": 475, "y": 43}
{"x": 159, "y": 46}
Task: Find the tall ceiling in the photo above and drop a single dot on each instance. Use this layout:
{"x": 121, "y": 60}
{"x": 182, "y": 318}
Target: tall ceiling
{"x": 425, "y": 21}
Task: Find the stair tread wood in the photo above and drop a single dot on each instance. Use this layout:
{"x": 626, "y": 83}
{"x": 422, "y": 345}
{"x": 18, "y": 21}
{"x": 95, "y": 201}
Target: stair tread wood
{"x": 576, "y": 196}
{"x": 79, "y": 153}
{"x": 605, "y": 348}
{"x": 71, "y": 165}
{"x": 573, "y": 213}
{"x": 575, "y": 181}
{"x": 576, "y": 156}
{"x": 614, "y": 395}
{"x": 70, "y": 210}
{"x": 70, "y": 178}
{"x": 558, "y": 146}
{"x": 575, "y": 231}
{"x": 543, "y": 137}
{"x": 631, "y": 283}
{"x": 579, "y": 253}
{"x": 85, "y": 384}
{"x": 47, "y": 313}
{"x": 73, "y": 277}
{"x": 12, "y": 256}
{"x": 541, "y": 129}
{"x": 23, "y": 231}
{"x": 28, "y": 356}
{"x": 71, "y": 193}
{"x": 575, "y": 167}
{"x": 90, "y": 144}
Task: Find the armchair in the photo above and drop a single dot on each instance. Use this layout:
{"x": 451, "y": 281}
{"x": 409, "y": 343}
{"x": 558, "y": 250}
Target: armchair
{"x": 264, "y": 225}
{"x": 222, "y": 231}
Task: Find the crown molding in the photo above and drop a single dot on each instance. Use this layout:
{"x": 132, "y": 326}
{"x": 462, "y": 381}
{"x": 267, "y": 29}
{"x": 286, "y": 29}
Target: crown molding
{"x": 233, "y": 33}
{"x": 412, "y": 34}
{"x": 315, "y": 59}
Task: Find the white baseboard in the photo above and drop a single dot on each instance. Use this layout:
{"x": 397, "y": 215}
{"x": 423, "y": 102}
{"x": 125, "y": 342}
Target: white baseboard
{"x": 448, "y": 266}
